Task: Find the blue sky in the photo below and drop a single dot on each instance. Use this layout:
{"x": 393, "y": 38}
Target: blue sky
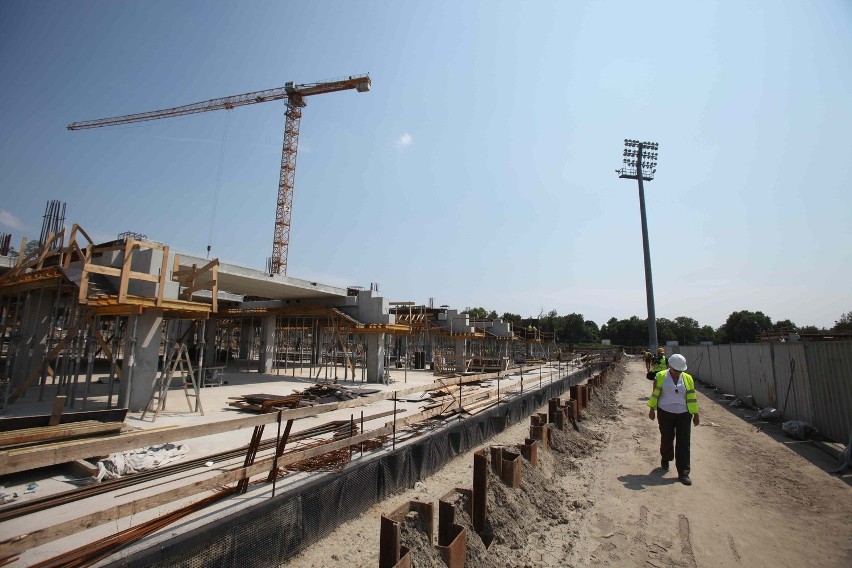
{"x": 479, "y": 170}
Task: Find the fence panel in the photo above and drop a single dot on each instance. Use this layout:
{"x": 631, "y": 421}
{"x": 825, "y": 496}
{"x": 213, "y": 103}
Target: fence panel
{"x": 691, "y": 353}
{"x": 716, "y": 365}
{"x": 829, "y": 367}
{"x": 760, "y": 373}
{"x": 727, "y": 382}
{"x": 792, "y": 381}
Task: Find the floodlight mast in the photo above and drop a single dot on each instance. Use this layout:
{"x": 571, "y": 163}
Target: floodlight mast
{"x": 640, "y": 163}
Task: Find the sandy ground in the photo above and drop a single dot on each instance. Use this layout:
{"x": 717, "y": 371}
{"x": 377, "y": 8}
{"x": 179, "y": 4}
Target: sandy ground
{"x": 599, "y": 498}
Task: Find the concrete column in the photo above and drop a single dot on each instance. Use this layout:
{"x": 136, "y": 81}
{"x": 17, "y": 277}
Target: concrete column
{"x": 316, "y": 342}
{"x": 246, "y": 337}
{"x": 210, "y": 343}
{"x": 141, "y": 363}
{"x": 267, "y": 344}
{"x": 461, "y": 350}
{"x": 375, "y": 357}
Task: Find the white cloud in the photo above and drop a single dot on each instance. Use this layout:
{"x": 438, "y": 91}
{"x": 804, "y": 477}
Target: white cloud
{"x": 404, "y": 141}
{"x": 10, "y": 220}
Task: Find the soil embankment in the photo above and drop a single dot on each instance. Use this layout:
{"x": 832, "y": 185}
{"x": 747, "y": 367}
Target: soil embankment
{"x": 599, "y": 498}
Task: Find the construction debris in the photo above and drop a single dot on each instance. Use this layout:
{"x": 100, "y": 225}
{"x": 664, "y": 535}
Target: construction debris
{"x": 134, "y": 461}
{"x": 320, "y": 393}
{"x": 324, "y": 393}
{"x": 798, "y": 429}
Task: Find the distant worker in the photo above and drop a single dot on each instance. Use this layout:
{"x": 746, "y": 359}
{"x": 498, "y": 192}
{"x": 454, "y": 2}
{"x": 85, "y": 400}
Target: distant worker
{"x": 674, "y": 404}
{"x": 647, "y": 357}
{"x": 658, "y": 363}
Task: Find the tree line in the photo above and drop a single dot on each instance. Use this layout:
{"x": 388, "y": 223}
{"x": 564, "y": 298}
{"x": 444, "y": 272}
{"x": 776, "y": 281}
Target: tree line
{"x": 741, "y": 327}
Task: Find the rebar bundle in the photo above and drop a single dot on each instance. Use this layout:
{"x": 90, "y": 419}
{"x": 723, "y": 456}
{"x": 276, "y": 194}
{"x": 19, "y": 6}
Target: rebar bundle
{"x": 54, "y": 220}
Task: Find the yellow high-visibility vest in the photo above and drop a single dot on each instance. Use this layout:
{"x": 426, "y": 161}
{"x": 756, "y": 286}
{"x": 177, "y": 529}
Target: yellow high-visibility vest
{"x": 691, "y": 396}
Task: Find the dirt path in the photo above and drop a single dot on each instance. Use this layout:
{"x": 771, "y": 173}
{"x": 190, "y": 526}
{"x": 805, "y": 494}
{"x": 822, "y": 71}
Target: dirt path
{"x": 754, "y": 501}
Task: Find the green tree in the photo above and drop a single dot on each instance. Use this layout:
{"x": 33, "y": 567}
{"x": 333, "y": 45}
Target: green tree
{"x": 492, "y": 314}
{"x": 592, "y": 333}
{"x": 548, "y": 321}
{"x": 477, "y": 313}
{"x": 630, "y": 332}
{"x": 744, "y": 327}
{"x": 784, "y": 325}
{"x": 510, "y": 317}
{"x": 666, "y": 331}
{"x": 844, "y": 324}
{"x": 573, "y": 329}
{"x": 32, "y": 246}
{"x": 706, "y": 333}
{"x": 688, "y": 331}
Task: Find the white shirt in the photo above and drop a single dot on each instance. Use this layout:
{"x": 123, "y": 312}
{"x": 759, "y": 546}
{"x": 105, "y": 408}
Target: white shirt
{"x": 669, "y": 400}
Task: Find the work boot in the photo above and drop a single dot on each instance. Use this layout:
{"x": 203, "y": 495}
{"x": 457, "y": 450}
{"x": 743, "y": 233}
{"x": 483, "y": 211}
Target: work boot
{"x": 664, "y": 464}
{"x": 684, "y": 478}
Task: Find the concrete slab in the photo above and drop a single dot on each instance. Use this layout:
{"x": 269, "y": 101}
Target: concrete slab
{"x": 250, "y": 282}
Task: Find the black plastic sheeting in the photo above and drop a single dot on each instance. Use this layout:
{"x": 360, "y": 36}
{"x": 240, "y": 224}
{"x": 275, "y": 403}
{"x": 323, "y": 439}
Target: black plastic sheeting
{"x": 277, "y": 529}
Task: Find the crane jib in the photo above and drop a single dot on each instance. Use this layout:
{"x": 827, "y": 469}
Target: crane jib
{"x": 361, "y": 83}
{"x": 294, "y": 94}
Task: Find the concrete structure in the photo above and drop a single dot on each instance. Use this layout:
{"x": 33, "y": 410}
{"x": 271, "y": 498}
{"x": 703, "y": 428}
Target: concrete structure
{"x": 135, "y": 301}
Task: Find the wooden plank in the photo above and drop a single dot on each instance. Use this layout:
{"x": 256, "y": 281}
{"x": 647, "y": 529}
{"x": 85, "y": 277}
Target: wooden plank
{"x": 196, "y": 287}
{"x": 83, "y": 468}
{"x": 161, "y": 281}
{"x": 215, "y": 290}
{"x": 56, "y": 413}
{"x": 84, "y": 276}
{"x": 21, "y": 253}
{"x": 84, "y": 233}
{"x": 125, "y": 270}
{"x": 58, "y": 432}
{"x": 144, "y": 276}
{"x": 176, "y": 268}
{"x": 105, "y": 270}
{"x": 40, "y": 420}
{"x": 45, "y": 248}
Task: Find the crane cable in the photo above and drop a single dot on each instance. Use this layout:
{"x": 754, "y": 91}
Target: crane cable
{"x": 218, "y": 181}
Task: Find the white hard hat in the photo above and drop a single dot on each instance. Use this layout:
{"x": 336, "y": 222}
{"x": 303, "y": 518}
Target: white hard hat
{"x": 677, "y": 362}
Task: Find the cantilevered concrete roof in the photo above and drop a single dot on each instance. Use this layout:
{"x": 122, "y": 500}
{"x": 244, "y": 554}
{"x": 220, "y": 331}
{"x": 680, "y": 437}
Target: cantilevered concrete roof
{"x": 250, "y": 282}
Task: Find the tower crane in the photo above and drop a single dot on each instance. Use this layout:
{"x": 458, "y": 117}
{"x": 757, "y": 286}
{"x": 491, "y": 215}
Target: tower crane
{"x": 295, "y": 96}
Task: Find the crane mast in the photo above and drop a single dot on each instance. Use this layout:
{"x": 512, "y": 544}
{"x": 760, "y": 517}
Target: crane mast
{"x": 295, "y": 99}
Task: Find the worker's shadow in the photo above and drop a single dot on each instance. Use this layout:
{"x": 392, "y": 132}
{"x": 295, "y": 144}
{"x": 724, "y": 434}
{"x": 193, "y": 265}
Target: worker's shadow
{"x": 638, "y": 482}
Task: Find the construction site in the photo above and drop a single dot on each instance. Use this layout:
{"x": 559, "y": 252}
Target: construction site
{"x": 163, "y": 409}
{"x": 97, "y": 335}
{"x": 353, "y": 386}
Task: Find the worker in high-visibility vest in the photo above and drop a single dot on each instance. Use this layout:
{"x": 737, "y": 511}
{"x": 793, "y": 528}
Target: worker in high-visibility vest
{"x": 647, "y": 358}
{"x": 674, "y": 404}
{"x": 659, "y": 362}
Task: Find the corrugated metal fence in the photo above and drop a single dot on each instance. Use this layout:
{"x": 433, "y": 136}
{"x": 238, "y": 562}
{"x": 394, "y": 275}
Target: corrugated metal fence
{"x": 809, "y": 380}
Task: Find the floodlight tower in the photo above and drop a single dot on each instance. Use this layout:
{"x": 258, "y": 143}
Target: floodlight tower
{"x": 640, "y": 163}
